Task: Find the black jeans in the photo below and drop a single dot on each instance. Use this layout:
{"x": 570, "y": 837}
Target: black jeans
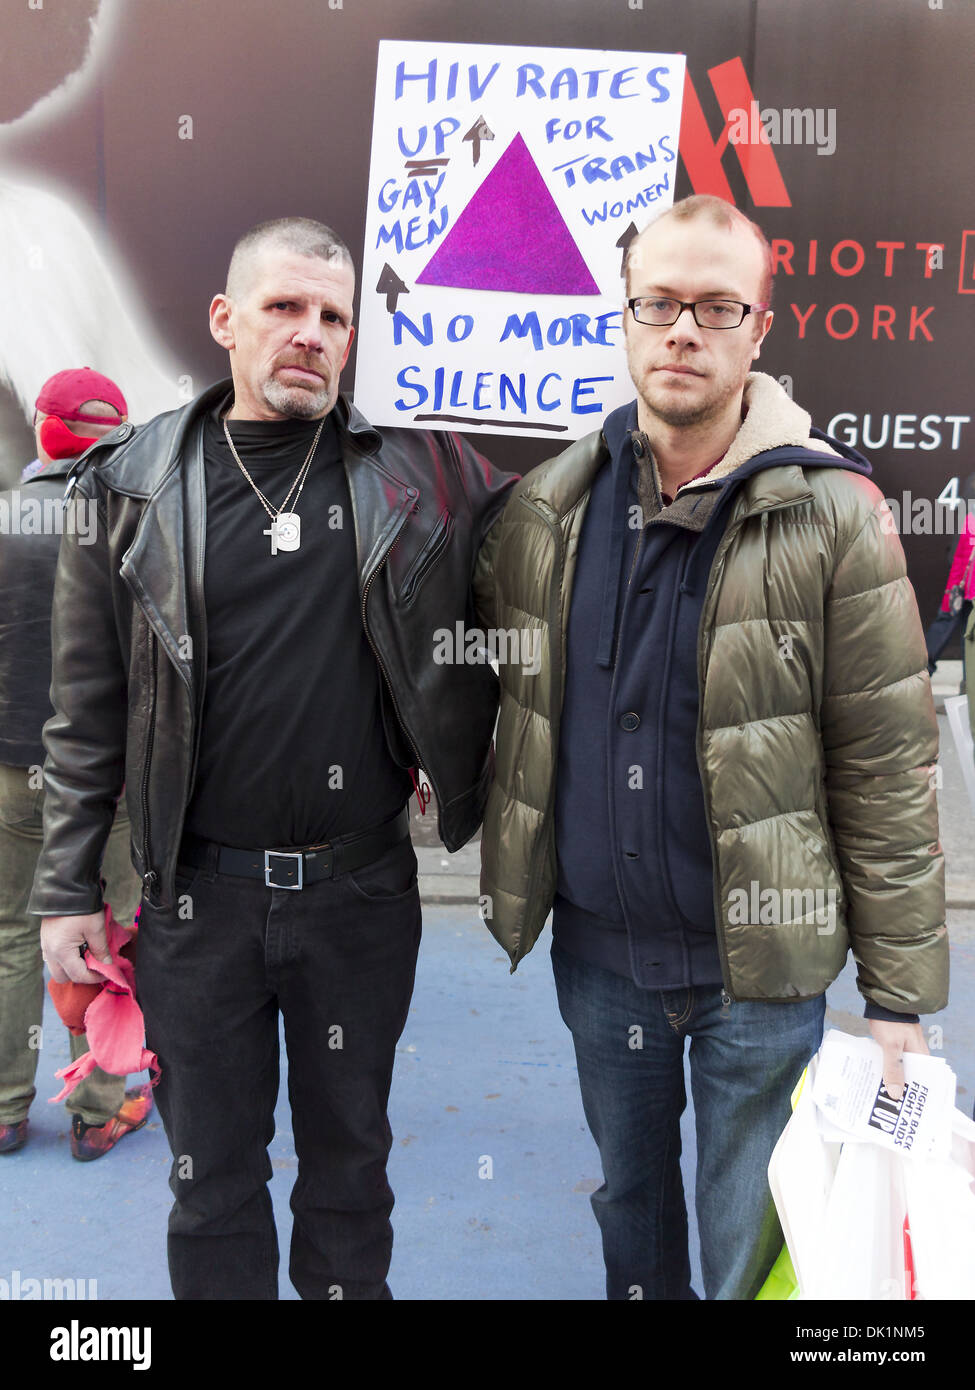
{"x": 338, "y": 959}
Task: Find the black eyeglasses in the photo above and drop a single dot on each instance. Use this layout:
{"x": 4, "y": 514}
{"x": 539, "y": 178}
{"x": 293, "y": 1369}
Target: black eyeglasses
{"x": 708, "y": 313}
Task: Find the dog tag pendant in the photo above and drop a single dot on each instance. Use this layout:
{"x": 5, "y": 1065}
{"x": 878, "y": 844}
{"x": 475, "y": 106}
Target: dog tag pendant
{"x": 285, "y": 532}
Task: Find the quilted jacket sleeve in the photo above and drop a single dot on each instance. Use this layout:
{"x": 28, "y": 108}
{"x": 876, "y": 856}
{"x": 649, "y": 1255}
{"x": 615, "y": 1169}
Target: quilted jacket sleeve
{"x": 880, "y": 741}
{"x": 485, "y": 603}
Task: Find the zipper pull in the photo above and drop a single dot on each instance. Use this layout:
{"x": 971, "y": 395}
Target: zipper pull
{"x": 725, "y": 1004}
{"x": 422, "y": 789}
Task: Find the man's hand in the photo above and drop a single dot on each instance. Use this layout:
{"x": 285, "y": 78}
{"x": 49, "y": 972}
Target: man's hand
{"x": 62, "y": 940}
{"x": 896, "y": 1039}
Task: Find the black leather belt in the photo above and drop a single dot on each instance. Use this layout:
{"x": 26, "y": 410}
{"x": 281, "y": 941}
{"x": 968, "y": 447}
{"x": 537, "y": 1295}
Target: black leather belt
{"x": 293, "y": 868}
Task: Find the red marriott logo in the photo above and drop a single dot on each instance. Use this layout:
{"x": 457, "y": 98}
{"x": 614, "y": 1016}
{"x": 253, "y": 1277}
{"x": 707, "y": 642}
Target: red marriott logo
{"x": 702, "y": 156}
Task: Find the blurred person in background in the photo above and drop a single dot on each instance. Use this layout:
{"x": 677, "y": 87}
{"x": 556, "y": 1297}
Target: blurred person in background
{"x": 956, "y": 604}
{"x": 73, "y": 409}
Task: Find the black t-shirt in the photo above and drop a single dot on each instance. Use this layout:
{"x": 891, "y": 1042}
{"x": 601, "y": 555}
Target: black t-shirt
{"x": 292, "y": 748}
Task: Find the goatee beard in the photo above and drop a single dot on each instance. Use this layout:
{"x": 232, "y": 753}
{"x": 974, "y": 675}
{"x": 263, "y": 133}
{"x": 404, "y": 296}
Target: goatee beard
{"x": 295, "y": 401}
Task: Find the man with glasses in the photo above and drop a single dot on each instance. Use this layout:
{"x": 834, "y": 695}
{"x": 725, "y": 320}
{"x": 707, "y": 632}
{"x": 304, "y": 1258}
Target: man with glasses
{"x": 719, "y": 778}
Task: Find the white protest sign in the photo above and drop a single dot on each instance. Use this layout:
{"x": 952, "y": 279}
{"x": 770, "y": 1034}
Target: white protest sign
{"x": 504, "y": 187}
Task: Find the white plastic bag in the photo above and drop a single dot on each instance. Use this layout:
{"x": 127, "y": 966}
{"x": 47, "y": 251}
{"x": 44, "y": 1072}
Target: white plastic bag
{"x": 861, "y": 1249}
{"x": 941, "y": 1210}
{"x": 864, "y": 1221}
{"x": 800, "y": 1175}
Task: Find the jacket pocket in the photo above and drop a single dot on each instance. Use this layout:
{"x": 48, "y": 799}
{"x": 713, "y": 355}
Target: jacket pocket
{"x": 431, "y": 551}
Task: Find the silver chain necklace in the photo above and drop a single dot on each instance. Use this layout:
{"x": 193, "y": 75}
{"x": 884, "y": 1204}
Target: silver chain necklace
{"x": 285, "y": 528}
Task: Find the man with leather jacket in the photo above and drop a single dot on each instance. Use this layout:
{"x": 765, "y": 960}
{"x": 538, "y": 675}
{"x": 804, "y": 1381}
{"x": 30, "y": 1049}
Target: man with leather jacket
{"x": 248, "y": 646}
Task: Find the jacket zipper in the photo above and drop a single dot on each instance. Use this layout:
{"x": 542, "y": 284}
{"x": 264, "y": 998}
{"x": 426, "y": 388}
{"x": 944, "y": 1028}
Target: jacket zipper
{"x": 435, "y": 545}
{"x": 629, "y": 581}
{"x": 723, "y": 548}
{"x": 200, "y": 668}
{"x": 555, "y": 674}
{"x": 149, "y": 876}
{"x": 389, "y": 685}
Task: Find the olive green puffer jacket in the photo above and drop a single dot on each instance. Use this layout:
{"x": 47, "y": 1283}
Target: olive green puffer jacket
{"x": 817, "y": 771}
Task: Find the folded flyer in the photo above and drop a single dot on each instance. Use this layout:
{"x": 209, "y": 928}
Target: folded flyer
{"x": 853, "y": 1103}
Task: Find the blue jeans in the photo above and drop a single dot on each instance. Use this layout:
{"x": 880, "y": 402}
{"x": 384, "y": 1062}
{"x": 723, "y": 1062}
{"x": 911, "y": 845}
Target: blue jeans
{"x": 745, "y": 1062}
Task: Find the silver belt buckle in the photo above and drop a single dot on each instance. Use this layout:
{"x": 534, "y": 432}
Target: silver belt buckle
{"x": 270, "y": 854}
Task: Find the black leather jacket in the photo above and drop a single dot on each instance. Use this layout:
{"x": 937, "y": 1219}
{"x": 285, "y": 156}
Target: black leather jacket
{"x": 130, "y": 641}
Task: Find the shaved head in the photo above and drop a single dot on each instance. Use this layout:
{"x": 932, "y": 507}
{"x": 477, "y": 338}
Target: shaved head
{"x": 299, "y": 235}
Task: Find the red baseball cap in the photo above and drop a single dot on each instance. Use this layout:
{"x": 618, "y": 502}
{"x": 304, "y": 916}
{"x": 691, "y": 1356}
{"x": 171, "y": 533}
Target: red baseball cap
{"x": 65, "y": 392}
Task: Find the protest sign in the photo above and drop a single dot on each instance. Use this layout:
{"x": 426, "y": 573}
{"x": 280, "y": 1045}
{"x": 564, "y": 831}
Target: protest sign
{"x": 505, "y": 186}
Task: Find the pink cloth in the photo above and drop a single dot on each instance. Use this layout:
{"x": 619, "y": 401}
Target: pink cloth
{"x": 963, "y": 554}
{"x": 112, "y": 1020}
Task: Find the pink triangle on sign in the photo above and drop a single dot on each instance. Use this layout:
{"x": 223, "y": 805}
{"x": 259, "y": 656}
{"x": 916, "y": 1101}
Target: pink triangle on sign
{"x": 511, "y": 236}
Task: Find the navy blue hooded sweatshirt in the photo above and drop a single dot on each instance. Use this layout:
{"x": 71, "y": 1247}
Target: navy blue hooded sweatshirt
{"x": 635, "y": 889}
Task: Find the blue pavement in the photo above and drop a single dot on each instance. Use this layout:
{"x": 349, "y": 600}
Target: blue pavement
{"x": 485, "y": 1084}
